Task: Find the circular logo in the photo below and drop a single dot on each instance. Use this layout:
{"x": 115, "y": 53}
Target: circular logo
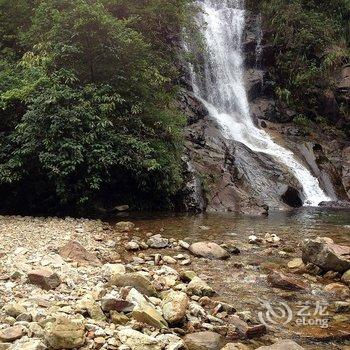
{"x": 275, "y": 314}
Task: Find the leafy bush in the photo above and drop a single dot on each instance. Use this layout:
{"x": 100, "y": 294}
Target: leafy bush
{"x": 87, "y": 97}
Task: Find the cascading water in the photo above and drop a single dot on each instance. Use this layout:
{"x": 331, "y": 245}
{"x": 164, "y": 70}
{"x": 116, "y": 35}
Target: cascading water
{"x": 221, "y": 88}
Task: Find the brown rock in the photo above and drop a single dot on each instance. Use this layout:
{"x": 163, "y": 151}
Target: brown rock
{"x": 120, "y": 305}
{"x": 11, "y": 334}
{"x": 209, "y": 250}
{"x": 248, "y": 331}
{"x": 203, "y": 341}
{"x": 338, "y": 289}
{"x": 285, "y": 282}
{"x": 44, "y": 278}
{"x": 76, "y": 252}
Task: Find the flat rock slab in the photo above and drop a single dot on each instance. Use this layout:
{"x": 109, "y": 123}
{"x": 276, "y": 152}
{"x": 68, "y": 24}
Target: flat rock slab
{"x": 209, "y": 250}
{"x": 283, "y": 345}
{"x": 203, "y": 341}
{"x": 286, "y": 281}
{"x": 74, "y": 251}
{"x": 327, "y": 255}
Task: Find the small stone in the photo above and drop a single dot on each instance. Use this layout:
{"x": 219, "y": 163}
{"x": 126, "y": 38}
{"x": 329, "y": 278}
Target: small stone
{"x": 338, "y": 289}
{"x": 185, "y": 262}
{"x": 64, "y": 333}
{"x": 88, "y": 303}
{"x": 346, "y": 278}
{"x": 74, "y": 251}
{"x": 125, "y": 226}
{"x": 169, "y": 260}
{"x": 158, "y": 242}
{"x": 44, "y": 278}
{"x": 272, "y": 238}
{"x": 187, "y": 276}
{"x": 247, "y": 330}
{"x": 26, "y": 317}
{"x": 209, "y": 250}
{"x": 286, "y": 282}
{"x": 175, "y": 306}
{"x": 254, "y": 239}
{"x": 109, "y": 303}
{"x": 11, "y": 334}
{"x": 184, "y": 245}
{"x": 295, "y": 263}
{"x": 199, "y": 287}
{"x": 14, "y": 309}
{"x": 29, "y": 345}
{"x": 132, "y": 246}
{"x": 282, "y": 345}
{"x": 118, "y": 318}
{"x": 135, "y": 280}
{"x": 236, "y": 346}
{"x": 122, "y": 208}
{"x": 110, "y": 270}
{"x": 342, "y": 307}
{"x": 144, "y": 311}
{"x": 138, "y": 341}
{"x": 203, "y": 341}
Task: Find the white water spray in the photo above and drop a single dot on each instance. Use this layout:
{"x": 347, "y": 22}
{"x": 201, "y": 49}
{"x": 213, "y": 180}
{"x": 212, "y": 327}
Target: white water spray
{"x": 222, "y": 90}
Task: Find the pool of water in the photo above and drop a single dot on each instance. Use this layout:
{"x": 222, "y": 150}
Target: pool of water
{"x": 242, "y": 280}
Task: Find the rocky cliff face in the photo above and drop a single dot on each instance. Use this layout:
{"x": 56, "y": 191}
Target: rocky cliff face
{"x": 223, "y": 175}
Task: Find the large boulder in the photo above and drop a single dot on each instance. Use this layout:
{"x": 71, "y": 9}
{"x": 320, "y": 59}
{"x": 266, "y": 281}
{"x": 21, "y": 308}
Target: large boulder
{"x": 282, "y": 345}
{"x": 327, "y": 255}
{"x": 209, "y": 250}
{"x": 203, "y": 341}
{"x": 65, "y": 333}
{"x": 174, "y": 307}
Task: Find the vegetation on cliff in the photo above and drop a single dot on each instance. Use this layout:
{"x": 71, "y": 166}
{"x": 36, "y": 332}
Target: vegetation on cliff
{"x": 309, "y": 43}
{"x": 87, "y": 92}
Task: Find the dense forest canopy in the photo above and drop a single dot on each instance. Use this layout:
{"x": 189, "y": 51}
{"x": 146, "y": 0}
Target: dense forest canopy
{"x": 87, "y": 102}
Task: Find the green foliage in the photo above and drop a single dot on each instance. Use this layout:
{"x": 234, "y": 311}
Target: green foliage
{"x": 311, "y": 42}
{"x": 87, "y": 99}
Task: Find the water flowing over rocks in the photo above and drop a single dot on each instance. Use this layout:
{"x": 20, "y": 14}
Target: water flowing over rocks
{"x": 225, "y": 175}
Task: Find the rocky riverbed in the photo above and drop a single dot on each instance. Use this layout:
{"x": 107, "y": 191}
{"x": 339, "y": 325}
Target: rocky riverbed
{"x": 171, "y": 284}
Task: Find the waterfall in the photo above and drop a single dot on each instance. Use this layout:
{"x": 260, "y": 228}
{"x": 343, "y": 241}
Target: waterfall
{"x": 220, "y": 86}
